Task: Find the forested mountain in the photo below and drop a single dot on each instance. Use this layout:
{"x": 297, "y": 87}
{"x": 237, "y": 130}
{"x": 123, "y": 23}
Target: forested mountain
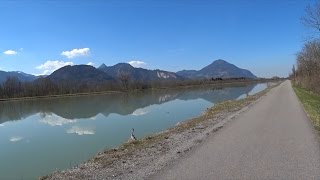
{"x": 217, "y": 69}
{"x": 122, "y": 70}
{"x": 80, "y": 74}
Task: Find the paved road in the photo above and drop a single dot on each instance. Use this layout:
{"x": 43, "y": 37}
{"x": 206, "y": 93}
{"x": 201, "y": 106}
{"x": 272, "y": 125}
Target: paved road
{"x": 274, "y": 139}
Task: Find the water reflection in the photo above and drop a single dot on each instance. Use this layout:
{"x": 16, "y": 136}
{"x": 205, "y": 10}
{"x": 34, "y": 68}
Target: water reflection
{"x": 40, "y": 136}
{"x": 81, "y": 130}
{"x": 16, "y": 138}
{"x": 140, "y": 112}
{"x": 54, "y": 120}
{"x": 60, "y": 111}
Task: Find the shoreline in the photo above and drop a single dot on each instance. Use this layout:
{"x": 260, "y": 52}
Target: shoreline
{"x": 136, "y": 90}
{"x": 142, "y": 158}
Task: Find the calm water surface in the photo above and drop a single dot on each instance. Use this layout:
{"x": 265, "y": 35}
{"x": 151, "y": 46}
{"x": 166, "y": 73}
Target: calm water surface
{"x": 40, "y": 136}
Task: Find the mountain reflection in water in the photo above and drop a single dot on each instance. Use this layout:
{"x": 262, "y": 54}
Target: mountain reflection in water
{"x": 119, "y": 103}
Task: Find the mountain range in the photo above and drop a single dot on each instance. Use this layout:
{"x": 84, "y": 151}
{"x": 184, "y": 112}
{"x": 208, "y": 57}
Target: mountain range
{"x": 91, "y": 75}
{"x": 23, "y": 77}
{"x": 138, "y": 74}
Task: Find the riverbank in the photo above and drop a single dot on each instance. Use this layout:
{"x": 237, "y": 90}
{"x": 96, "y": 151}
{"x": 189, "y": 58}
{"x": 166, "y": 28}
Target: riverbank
{"x": 142, "y": 158}
{"x": 221, "y": 83}
{"x": 311, "y": 104}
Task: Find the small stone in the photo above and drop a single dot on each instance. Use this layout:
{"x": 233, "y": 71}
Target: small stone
{"x": 201, "y": 127}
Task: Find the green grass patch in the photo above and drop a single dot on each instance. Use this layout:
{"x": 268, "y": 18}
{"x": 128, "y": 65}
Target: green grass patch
{"x": 311, "y": 103}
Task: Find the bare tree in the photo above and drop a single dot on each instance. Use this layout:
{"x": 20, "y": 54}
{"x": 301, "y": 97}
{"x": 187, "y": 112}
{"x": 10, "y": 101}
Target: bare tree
{"x": 307, "y": 73}
{"x": 124, "y": 78}
{"x": 293, "y": 72}
{"x": 312, "y": 17}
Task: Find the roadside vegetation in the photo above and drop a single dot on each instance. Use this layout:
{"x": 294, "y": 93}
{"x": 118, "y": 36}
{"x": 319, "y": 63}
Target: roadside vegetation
{"x": 306, "y": 75}
{"x": 311, "y": 103}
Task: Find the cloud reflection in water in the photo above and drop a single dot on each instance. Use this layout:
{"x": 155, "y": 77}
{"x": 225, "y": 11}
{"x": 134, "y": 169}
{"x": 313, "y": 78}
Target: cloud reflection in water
{"x": 54, "y": 120}
{"x": 140, "y": 112}
{"x": 16, "y": 138}
{"x": 81, "y": 130}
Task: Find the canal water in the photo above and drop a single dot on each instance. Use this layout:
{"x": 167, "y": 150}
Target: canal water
{"x": 40, "y": 136}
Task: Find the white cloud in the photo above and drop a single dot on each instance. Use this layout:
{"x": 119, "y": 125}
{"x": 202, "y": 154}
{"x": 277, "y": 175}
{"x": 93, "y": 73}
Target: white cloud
{"x": 50, "y": 66}
{"x": 90, "y": 64}
{"x": 54, "y": 120}
{"x": 76, "y": 53}
{"x": 1, "y": 125}
{"x": 139, "y": 112}
{"x": 10, "y": 52}
{"x": 16, "y": 138}
{"x": 81, "y": 130}
{"x": 137, "y": 64}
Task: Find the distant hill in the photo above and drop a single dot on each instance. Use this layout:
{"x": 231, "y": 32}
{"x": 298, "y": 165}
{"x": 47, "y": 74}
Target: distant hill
{"x": 138, "y": 74}
{"x": 23, "y": 77}
{"x": 82, "y": 74}
{"x": 217, "y": 69}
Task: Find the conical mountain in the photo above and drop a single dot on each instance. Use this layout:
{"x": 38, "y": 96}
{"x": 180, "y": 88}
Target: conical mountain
{"x": 218, "y": 69}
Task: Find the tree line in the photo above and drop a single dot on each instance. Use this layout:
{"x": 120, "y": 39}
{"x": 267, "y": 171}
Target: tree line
{"x": 14, "y": 88}
{"x": 306, "y": 73}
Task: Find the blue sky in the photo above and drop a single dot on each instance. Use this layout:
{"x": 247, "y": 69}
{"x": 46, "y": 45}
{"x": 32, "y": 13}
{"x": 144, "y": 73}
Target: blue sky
{"x": 260, "y": 35}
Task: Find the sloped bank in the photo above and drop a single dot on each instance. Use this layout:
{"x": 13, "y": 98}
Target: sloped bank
{"x": 142, "y": 158}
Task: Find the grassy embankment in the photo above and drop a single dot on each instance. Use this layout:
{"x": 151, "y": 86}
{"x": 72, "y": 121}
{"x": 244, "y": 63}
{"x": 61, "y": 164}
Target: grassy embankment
{"x": 311, "y": 103}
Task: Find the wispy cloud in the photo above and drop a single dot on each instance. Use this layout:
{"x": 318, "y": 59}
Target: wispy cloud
{"x": 16, "y": 138}
{"x": 137, "y": 64}
{"x": 81, "y": 130}
{"x": 90, "y": 64}
{"x": 1, "y": 125}
{"x": 50, "y": 66}
{"x": 10, "y": 52}
{"x": 76, "y": 53}
{"x": 54, "y": 120}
